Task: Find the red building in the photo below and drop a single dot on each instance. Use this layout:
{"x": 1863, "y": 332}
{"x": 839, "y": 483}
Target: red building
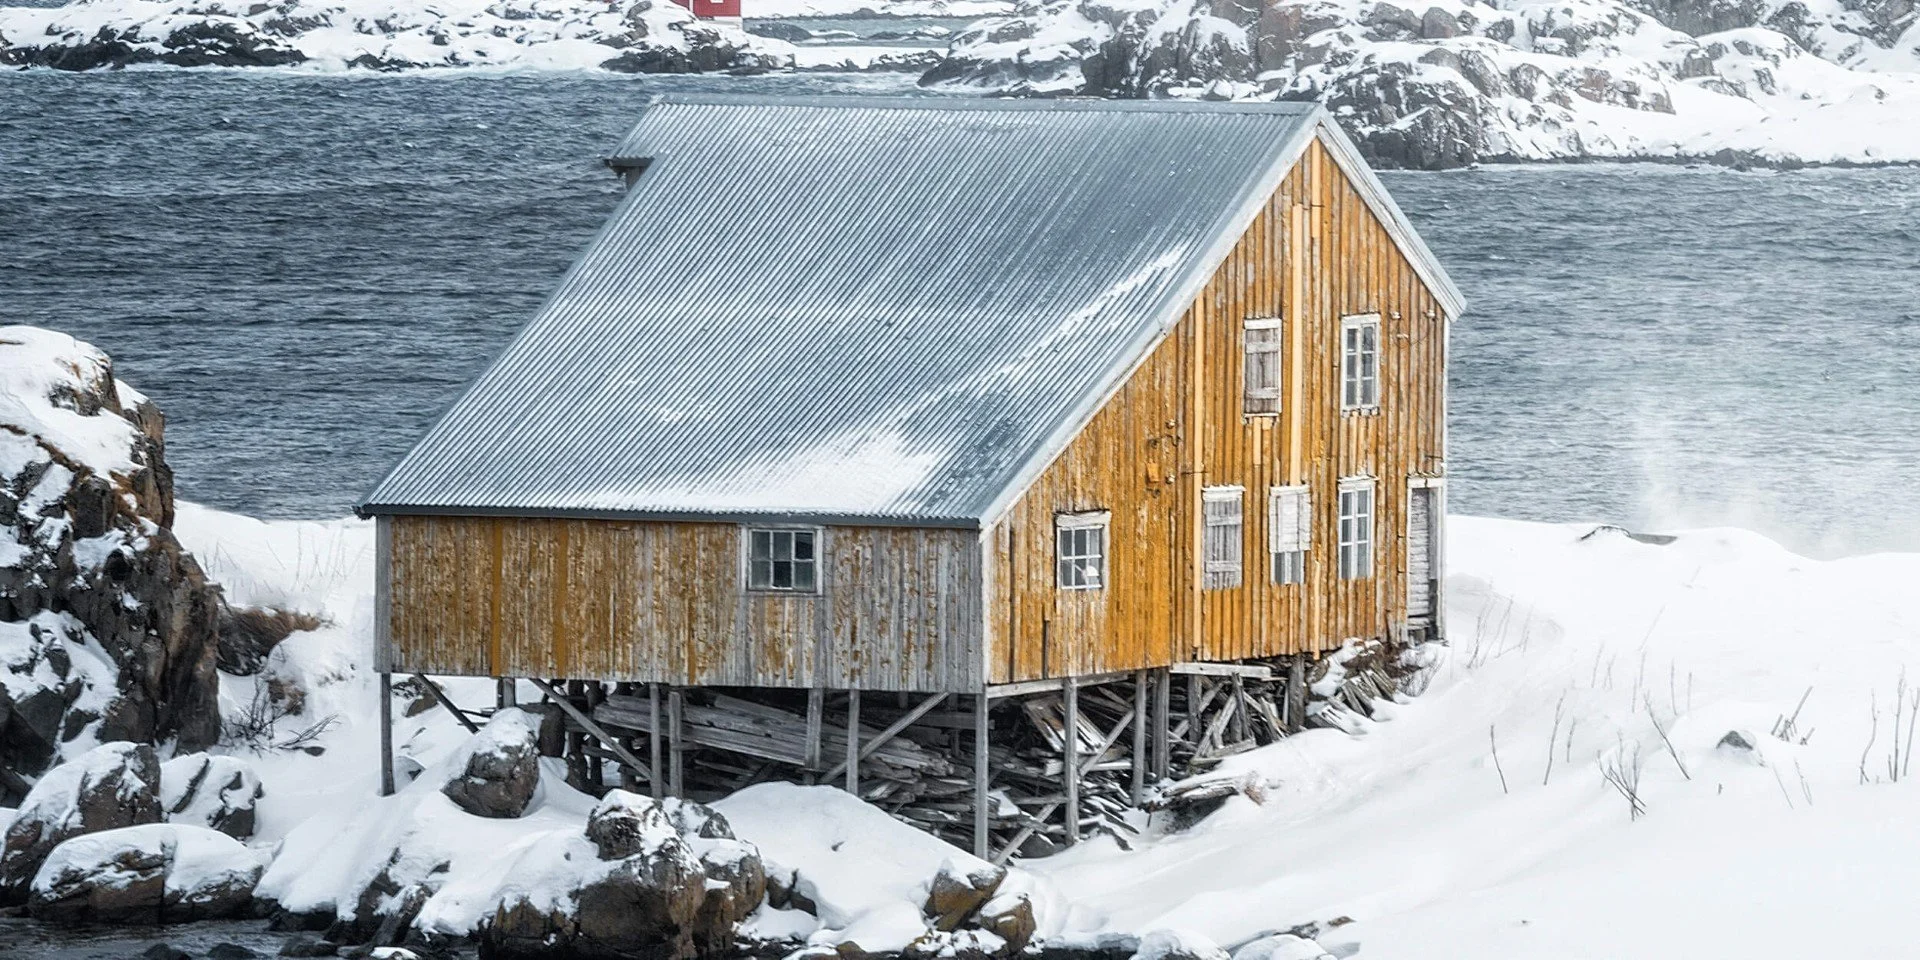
{"x": 713, "y": 9}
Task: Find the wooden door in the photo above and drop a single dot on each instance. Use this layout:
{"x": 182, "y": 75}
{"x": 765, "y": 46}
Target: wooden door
{"x": 1423, "y": 562}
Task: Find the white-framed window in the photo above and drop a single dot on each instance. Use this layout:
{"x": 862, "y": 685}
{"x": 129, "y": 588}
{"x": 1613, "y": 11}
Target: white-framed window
{"x": 1360, "y": 363}
{"x": 1260, "y": 345}
{"x": 1356, "y": 528}
{"x": 783, "y": 559}
{"x": 1080, "y": 550}
{"x": 1221, "y": 509}
{"x": 1289, "y": 532}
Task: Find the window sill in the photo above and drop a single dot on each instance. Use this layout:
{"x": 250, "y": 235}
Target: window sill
{"x": 777, "y": 592}
{"x": 1360, "y": 411}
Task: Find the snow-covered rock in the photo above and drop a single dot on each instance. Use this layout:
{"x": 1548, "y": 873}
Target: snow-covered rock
{"x": 217, "y": 792}
{"x": 1447, "y": 83}
{"x": 498, "y": 771}
{"x": 1281, "y": 946}
{"x": 155, "y": 873}
{"x": 650, "y": 36}
{"x": 113, "y": 786}
{"x": 107, "y": 626}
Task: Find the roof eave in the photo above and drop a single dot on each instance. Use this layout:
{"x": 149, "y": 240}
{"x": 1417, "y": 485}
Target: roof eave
{"x": 768, "y": 517}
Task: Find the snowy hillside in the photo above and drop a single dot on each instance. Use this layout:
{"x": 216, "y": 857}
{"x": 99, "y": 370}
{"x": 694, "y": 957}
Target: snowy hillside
{"x": 639, "y": 36}
{"x": 1479, "y": 820}
{"x": 1450, "y": 82}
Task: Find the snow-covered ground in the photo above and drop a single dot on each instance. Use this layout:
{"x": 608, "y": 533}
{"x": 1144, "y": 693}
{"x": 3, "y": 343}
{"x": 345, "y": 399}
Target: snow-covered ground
{"x": 1574, "y": 652}
{"x": 1571, "y": 653}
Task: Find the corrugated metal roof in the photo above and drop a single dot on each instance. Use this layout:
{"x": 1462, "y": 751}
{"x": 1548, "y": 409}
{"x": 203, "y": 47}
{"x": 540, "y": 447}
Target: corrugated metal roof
{"x": 852, "y": 309}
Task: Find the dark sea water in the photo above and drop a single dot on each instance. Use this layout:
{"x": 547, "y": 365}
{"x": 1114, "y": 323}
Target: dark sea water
{"x": 303, "y": 270}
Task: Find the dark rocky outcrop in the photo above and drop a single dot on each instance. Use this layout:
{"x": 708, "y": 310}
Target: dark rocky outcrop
{"x": 91, "y": 559}
{"x": 111, "y": 787}
{"x": 956, "y": 894}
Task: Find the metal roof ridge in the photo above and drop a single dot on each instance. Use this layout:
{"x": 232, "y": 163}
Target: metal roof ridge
{"x": 1010, "y": 104}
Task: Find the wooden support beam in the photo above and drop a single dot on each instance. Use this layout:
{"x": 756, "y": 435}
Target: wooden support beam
{"x": 853, "y": 742}
{"x": 440, "y": 696}
{"x": 608, "y": 740}
{"x": 676, "y": 744}
{"x": 386, "y": 734}
{"x": 658, "y": 789}
{"x": 981, "y": 800}
{"x": 1195, "y": 707}
{"x": 906, "y": 720}
{"x": 1025, "y": 687}
{"x": 1204, "y": 669}
{"x": 1032, "y": 827}
{"x": 1139, "y": 784}
{"x": 1162, "y": 724}
{"x": 816, "y": 714}
{"x": 505, "y": 693}
{"x": 1070, "y": 691}
{"x": 1239, "y": 727}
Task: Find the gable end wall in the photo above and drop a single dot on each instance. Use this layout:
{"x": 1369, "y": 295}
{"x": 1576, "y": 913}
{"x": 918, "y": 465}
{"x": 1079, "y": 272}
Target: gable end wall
{"x": 1314, "y": 254}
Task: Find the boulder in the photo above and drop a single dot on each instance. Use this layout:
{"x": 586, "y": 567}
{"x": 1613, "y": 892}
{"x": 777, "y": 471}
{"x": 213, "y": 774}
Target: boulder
{"x": 625, "y": 824}
{"x": 1010, "y": 917}
{"x": 956, "y": 893}
{"x": 736, "y": 887}
{"x": 153, "y": 873}
{"x": 112, "y": 786}
{"x": 107, "y": 625}
{"x": 499, "y": 769}
{"x": 211, "y": 791}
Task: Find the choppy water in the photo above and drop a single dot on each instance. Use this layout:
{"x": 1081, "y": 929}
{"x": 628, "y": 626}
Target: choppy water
{"x": 303, "y": 270}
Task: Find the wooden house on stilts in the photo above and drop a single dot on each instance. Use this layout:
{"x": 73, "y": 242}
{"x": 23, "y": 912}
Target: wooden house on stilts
{"x": 995, "y": 458}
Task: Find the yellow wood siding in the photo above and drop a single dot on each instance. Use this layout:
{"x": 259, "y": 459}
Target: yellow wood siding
{"x": 1315, "y": 254}
{"x": 899, "y": 609}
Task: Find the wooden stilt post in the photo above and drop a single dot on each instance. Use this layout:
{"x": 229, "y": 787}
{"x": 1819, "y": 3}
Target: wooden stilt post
{"x": 1162, "y": 723}
{"x": 1238, "y": 726}
{"x": 506, "y": 693}
{"x": 1297, "y": 693}
{"x": 1070, "y": 691}
{"x": 656, "y": 784}
{"x": 677, "y": 759}
{"x": 816, "y": 713}
{"x": 386, "y": 734}
{"x": 853, "y": 742}
{"x": 1139, "y": 737}
{"x": 980, "y": 798}
{"x": 596, "y": 768}
{"x": 1194, "y": 710}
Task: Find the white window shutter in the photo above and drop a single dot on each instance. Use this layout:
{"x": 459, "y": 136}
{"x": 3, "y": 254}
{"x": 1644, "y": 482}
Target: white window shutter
{"x": 1289, "y": 520}
{"x": 1303, "y": 518}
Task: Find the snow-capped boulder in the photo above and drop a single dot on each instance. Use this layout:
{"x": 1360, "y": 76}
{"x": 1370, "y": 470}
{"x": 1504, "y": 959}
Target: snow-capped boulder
{"x": 1177, "y": 945}
{"x": 1281, "y": 946}
{"x": 217, "y": 792}
{"x": 652, "y": 36}
{"x": 957, "y": 893}
{"x": 498, "y": 769}
{"x": 643, "y": 899}
{"x": 1010, "y": 917}
{"x": 155, "y": 873}
{"x": 115, "y": 785}
{"x": 107, "y": 625}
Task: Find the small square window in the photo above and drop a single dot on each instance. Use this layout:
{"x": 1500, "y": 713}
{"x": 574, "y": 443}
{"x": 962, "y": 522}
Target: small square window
{"x": 783, "y": 560}
{"x": 1080, "y": 550}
